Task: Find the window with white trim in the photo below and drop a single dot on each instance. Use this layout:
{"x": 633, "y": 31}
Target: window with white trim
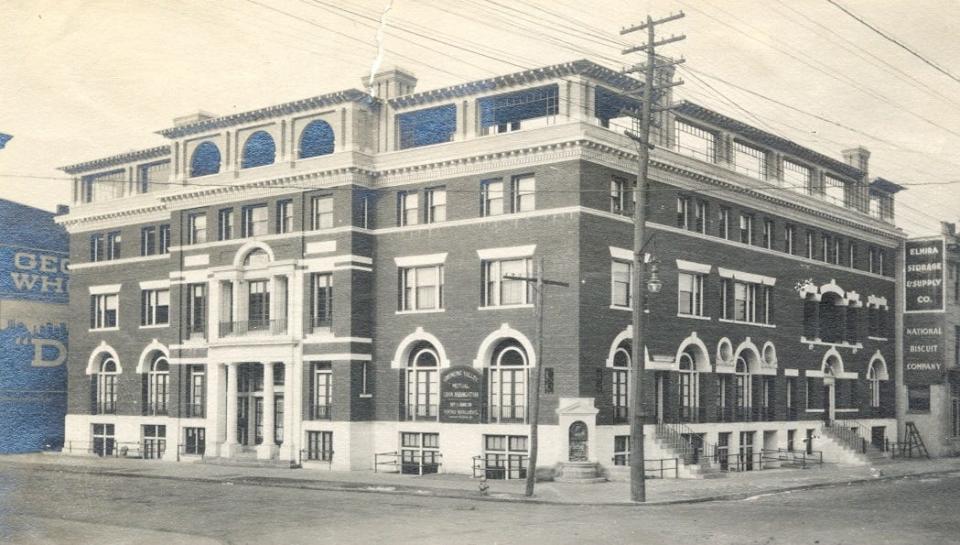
{"x": 285, "y": 216}
{"x": 768, "y": 227}
{"x": 690, "y": 294}
{"x": 106, "y": 386}
{"x": 408, "y": 208}
{"x": 148, "y": 240}
{"x": 197, "y": 228}
{"x": 747, "y": 302}
{"x": 321, "y": 301}
{"x": 618, "y": 193}
{"x": 491, "y": 198}
{"x": 873, "y": 379}
{"x": 700, "y": 217}
{"x": 723, "y": 223}
{"x": 225, "y": 224}
{"x": 165, "y": 238}
{"x": 694, "y": 141}
{"x": 620, "y": 390}
{"x": 321, "y": 212}
{"x": 158, "y": 387}
{"x": 322, "y": 390}
{"x": 436, "y": 204}
{"x": 155, "y": 306}
{"x": 789, "y": 239}
{"x": 749, "y": 160}
{"x": 810, "y": 246}
{"x": 423, "y": 384}
{"x": 746, "y": 228}
{"x": 683, "y": 212}
{"x": 255, "y": 220}
{"x": 505, "y": 457}
{"x": 621, "y": 281}
{"x": 103, "y": 310}
{"x": 501, "y": 291}
{"x": 508, "y": 383}
{"x": 421, "y": 288}
{"x": 524, "y": 193}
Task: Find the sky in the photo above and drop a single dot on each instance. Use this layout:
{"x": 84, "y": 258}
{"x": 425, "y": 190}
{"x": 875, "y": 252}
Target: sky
{"x": 83, "y": 79}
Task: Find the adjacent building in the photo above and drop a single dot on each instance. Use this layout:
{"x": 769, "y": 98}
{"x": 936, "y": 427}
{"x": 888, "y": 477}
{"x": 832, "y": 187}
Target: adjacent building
{"x": 326, "y": 282}
{"x": 33, "y": 328}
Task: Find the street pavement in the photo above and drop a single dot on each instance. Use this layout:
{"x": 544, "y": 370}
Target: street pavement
{"x": 48, "y": 504}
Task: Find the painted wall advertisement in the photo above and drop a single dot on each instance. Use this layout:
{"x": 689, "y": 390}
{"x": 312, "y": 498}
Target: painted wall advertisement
{"x": 923, "y": 357}
{"x": 923, "y": 275}
{"x": 460, "y": 396}
{"x": 35, "y": 275}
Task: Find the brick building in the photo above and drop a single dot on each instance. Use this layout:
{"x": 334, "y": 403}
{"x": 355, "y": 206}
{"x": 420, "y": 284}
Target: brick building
{"x": 311, "y": 282}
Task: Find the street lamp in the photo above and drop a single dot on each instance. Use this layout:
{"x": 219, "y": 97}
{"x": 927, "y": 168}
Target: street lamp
{"x": 654, "y": 285}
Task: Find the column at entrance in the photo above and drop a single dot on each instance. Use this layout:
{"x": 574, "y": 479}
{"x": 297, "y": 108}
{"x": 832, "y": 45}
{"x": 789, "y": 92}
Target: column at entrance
{"x": 288, "y": 449}
{"x": 268, "y": 448}
{"x": 231, "y": 447}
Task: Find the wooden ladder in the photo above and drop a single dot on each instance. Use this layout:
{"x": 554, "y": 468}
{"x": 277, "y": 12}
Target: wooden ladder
{"x": 914, "y": 440}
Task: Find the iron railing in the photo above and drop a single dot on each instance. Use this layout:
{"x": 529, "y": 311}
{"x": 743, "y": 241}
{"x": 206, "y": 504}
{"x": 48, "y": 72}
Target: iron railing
{"x": 105, "y": 407}
{"x": 653, "y": 468}
{"x": 253, "y": 327}
{"x": 793, "y": 457}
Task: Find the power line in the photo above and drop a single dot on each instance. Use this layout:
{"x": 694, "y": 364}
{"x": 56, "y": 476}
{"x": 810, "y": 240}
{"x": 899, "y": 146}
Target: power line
{"x": 894, "y": 40}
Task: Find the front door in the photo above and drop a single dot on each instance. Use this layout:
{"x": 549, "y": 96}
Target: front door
{"x": 829, "y": 401}
{"x": 578, "y": 442}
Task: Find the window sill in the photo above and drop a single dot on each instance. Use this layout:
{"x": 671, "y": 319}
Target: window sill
{"x": 878, "y": 338}
{"x": 757, "y": 324}
{"x": 694, "y": 317}
{"x": 366, "y": 396}
{"x": 618, "y": 307}
{"x": 117, "y": 328}
{"x": 421, "y": 311}
{"x": 846, "y": 410}
{"x": 505, "y": 307}
{"x": 154, "y": 326}
{"x": 814, "y": 410}
{"x": 817, "y": 342}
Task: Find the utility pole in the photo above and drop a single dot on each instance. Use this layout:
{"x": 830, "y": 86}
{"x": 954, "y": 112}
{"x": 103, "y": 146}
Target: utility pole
{"x": 648, "y": 95}
{"x": 538, "y": 282}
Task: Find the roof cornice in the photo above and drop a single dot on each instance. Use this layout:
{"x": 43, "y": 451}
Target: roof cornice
{"x": 320, "y": 101}
{"x": 121, "y": 159}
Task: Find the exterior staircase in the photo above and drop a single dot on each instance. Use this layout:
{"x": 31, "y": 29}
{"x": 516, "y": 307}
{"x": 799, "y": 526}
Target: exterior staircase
{"x": 247, "y": 458}
{"x": 694, "y": 461}
{"x": 847, "y": 442}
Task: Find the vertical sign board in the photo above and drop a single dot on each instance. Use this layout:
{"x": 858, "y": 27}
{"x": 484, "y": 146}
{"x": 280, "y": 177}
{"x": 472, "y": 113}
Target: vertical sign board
{"x": 33, "y": 343}
{"x": 923, "y": 345}
{"x": 460, "y": 395}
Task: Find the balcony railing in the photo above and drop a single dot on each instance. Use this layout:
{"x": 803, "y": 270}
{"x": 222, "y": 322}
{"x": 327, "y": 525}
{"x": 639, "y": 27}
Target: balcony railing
{"x": 106, "y": 407}
{"x": 253, "y": 327}
{"x": 320, "y": 412}
{"x": 422, "y": 412}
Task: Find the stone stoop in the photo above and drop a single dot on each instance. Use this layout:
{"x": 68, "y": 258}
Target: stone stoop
{"x": 837, "y": 452}
{"x": 245, "y": 459}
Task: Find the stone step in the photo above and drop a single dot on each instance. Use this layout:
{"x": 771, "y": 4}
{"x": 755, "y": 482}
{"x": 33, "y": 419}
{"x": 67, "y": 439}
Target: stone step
{"x": 248, "y": 461}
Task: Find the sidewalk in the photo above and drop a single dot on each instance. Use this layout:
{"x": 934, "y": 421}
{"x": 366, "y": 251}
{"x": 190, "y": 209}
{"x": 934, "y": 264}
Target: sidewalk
{"x": 734, "y": 486}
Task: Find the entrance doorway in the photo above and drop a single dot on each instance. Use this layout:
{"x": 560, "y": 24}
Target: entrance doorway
{"x": 578, "y": 442}
{"x": 829, "y": 400}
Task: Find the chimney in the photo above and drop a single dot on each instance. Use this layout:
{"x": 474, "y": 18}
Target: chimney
{"x": 858, "y": 157}
{"x": 948, "y": 228}
{"x": 200, "y": 115}
{"x": 390, "y": 83}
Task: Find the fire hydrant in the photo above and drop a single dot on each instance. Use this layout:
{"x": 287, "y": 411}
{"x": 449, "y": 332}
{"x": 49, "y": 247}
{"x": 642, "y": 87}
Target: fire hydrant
{"x": 483, "y": 486}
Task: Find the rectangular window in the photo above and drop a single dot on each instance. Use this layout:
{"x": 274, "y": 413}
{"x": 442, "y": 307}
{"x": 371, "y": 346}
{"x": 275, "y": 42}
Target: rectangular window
{"x": 365, "y": 389}
{"x": 746, "y": 229}
{"x": 683, "y": 212}
{"x": 524, "y": 193}
{"x": 529, "y": 108}
{"x": 194, "y": 443}
{"x": 618, "y": 194}
{"x": 427, "y": 127}
{"x": 285, "y": 216}
{"x": 881, "y": 266}
{"x": 768, "y": 227}
{"x": 103, "y": 310}
{"x": 155, "y": 307}
{"x": 320, "y": 446}
{"x": 833, "y": 190}
{"x": 197, "y": 400}
{"x": 696, "y": 142}
{"x": 419, "y": 453}
{"x": 744, "y": 298}
{"x": 98, "y": 247}
{"x": 152, "y": 174}
{"x": 749, "y": 160}
{"x": 791, "y": 440}
{"x": 622, "y": 280}
{"x": 789, "y": 239}
{"x": 321, "y": 212}
{"x": 196, "y": 228}
{"x": 918, "y": 399}
{"x": 113, "y": 245}
{"x": 505, "y": 456}
{"x": 196, "y": 309}
{"x": 255, "y": 221}
{"x": 499, "y": 290}
{"x": 321, "y": 300}
{"x": 690, "y": 294}
{"x": 835, "y": 251}
{"x": 619, "y": 389}
{"x": 872, "y": 260}
{"x": 421, "y": 288}
{"x": 548, "y": 380}
{"x": 491, "y": 198}
{"x": 797, "y": 177}
{"x": 154, "y": 441}
{"x": 408, "y": 208}
{"x": 700, "y": 217}
{"x": 810, "y": 247}
{"x": 436, "y": 204}
{"x": 258, "y": 304}
{"x": 851, "y": 254}
{"x": 225, "y": 224}
{"x": 165, "y": 238}
{"x": 621, "y": 450}
{"x": 148, "y": 240}
{"x": 723, "y": 223}
{"x": 322, "y": 391}
{"x": 104, "y": 440}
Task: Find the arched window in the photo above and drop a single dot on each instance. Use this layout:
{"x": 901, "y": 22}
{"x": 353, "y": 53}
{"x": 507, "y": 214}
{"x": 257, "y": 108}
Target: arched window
{"x": 423, "y": 383}
{"x": 832, "y": 314}
{"x": 689, "y": 386}
{"x": 873, "y": 378}
{"x": 107, "y": 386}
{"x": 158, "y": 379}
{"x": 258, "y": 150}
{"x": 256, "y": 257}
{"x": 621, "y": 383}
{"x": 743, "y": 389}
{"x": 316, "y": 139}
{"x": 508, "y": 383}
{"x": 205, "y": 160}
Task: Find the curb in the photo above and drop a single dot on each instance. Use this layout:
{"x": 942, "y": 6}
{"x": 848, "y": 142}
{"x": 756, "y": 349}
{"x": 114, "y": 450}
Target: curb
{"x": 387, "y": 489}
